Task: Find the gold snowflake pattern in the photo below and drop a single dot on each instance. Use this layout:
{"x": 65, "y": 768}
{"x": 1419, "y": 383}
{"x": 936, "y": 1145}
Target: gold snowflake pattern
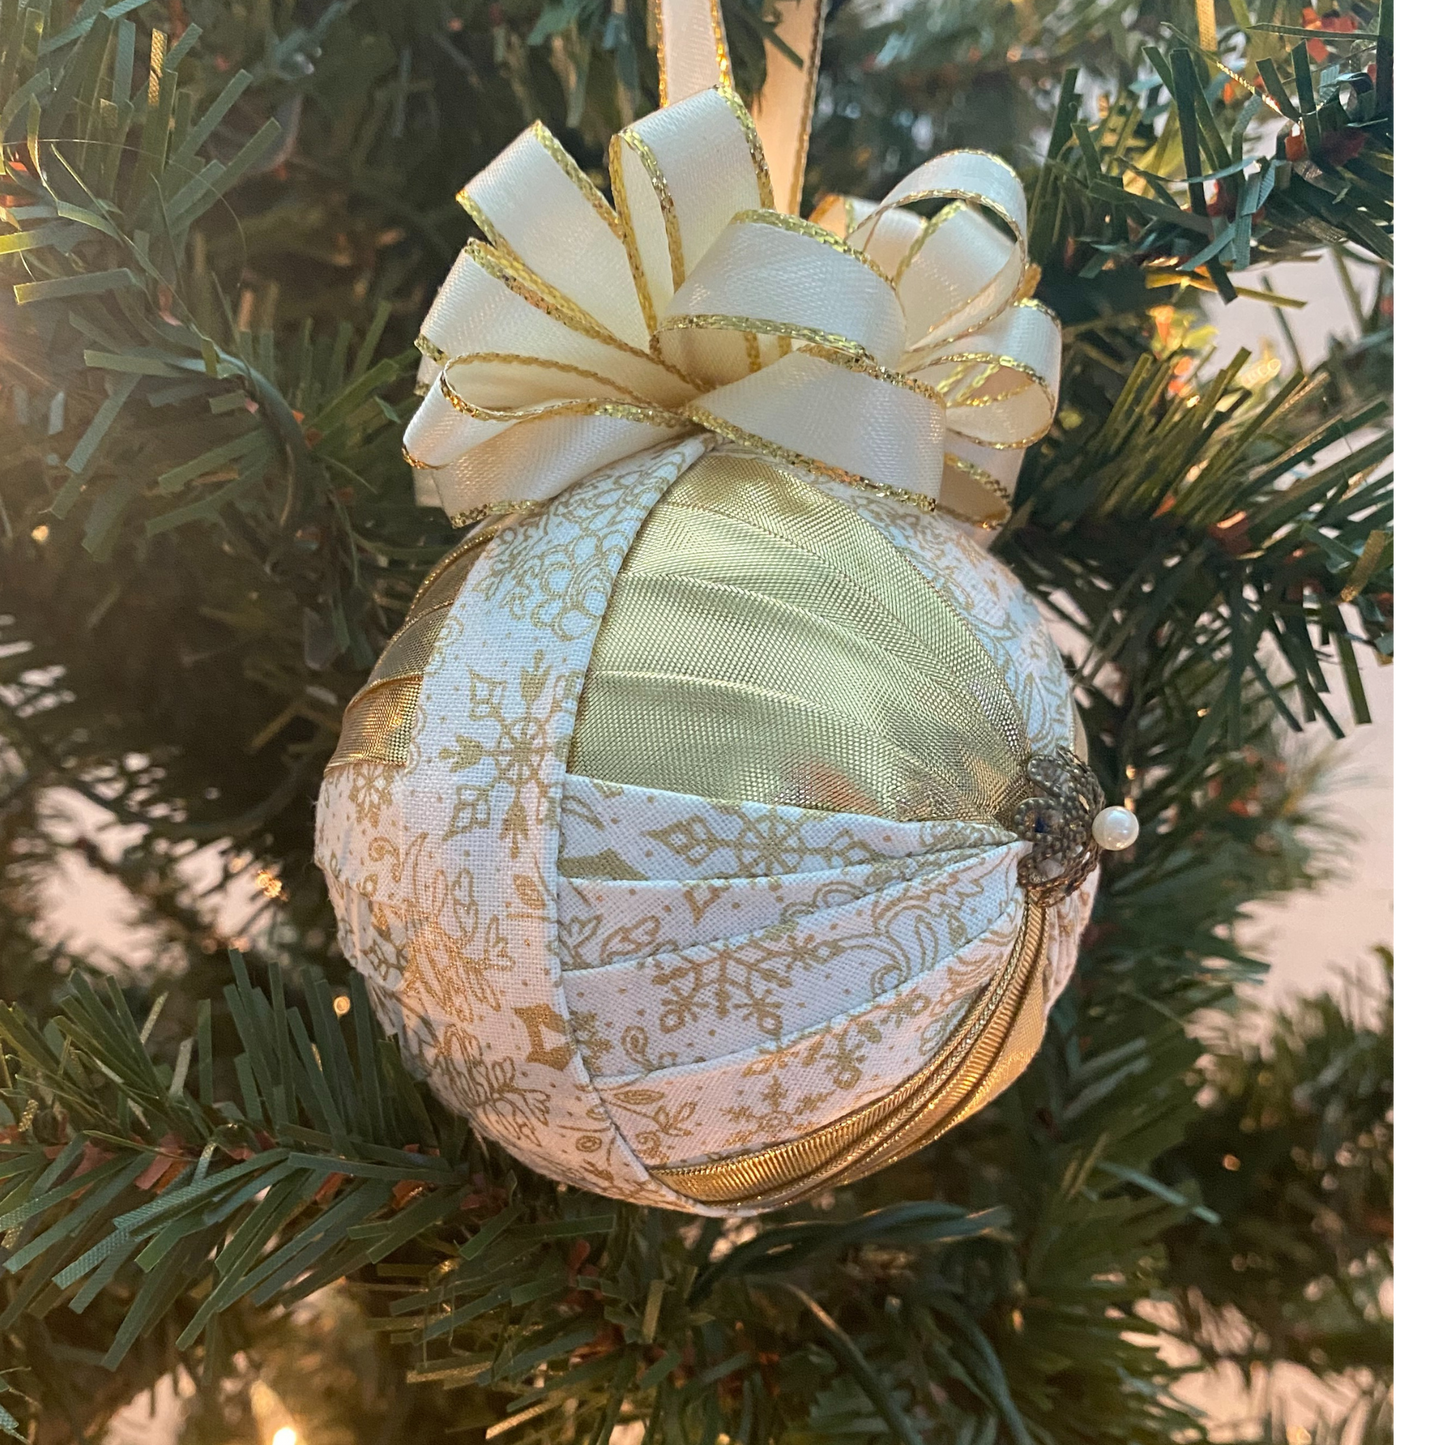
{"x": 746, "y": 980}
{"x": 370, "y": 790}
{"x": 757, "y": 843}
{"x": 780, "y": 1118}
{"x": 508, "y": 766}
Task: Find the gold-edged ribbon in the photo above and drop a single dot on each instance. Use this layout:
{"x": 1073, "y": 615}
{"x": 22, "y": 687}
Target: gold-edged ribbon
{"x": 868, "y": 344}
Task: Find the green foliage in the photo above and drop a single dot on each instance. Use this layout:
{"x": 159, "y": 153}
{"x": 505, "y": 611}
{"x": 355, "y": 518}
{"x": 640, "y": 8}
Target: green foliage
{"x": 1332, "y": 185}
{"x": 1301, "y": 1120}
{"x": 1175, "y": 509}
{"x": 217, "y": 246}
{"x": 1175, "y": 121}
{"x": 140, "y": 1179}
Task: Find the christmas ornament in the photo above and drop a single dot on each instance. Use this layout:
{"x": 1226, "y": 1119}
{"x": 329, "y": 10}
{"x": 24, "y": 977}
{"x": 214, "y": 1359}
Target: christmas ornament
{"x": 715, "y": 830}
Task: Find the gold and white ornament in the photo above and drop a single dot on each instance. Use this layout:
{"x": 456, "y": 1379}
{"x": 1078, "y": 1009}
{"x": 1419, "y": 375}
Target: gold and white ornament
{"x": 712, "y": 833}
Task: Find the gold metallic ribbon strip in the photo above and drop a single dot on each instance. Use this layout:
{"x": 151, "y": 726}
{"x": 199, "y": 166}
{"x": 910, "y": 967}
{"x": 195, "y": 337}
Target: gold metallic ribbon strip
{"x": 378, "y": 723}
{"x": 765, "y": 643}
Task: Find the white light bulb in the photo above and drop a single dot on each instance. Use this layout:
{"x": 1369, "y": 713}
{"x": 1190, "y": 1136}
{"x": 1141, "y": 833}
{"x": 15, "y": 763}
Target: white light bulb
{"x": 285, "y": 1436}
{"x": 1115, "y": 829}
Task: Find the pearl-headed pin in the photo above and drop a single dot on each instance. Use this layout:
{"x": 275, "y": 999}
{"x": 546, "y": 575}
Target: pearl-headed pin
{"x": 1115, "y": 829}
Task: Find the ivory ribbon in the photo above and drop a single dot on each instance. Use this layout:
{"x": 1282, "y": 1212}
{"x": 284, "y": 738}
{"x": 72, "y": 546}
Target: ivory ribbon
{"x": 870, "y": 345}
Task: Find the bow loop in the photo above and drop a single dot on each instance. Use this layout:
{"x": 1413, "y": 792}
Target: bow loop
{"x": 678, "y": 177}
{"x": 778, "y": 278}
{"x": 537, "y": 207}
{"x": 976, "y": 177}
{"x": 999, "y": 383}
{"x": 957, "y": 274}
{"x": 841, "y": 417}
{"x": 959, "y": 269}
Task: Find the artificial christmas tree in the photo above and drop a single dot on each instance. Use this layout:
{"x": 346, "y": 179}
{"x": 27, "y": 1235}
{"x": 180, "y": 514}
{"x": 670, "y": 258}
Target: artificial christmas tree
{"x": 226, "y": 223}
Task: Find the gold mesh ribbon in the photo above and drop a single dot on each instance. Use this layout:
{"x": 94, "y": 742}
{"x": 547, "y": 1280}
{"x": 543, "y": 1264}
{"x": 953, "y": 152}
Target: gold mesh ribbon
{"x": 378, "y": 723}
{"x": 868, "y": 345}
{"x": 765, "y": 643}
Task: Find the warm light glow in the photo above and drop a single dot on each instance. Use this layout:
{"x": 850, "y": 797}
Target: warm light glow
{"x": 341, "y": 1004}
{"x": 269, "y": 884}
{"x": 273, "y": 1420}
{"x": 1257, "y": 373}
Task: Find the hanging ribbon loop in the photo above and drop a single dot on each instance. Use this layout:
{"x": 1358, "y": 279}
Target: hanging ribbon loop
{"x": 868, "y": 344}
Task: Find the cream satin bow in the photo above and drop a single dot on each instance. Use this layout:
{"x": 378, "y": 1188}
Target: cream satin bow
{"x": 867, "y": 345}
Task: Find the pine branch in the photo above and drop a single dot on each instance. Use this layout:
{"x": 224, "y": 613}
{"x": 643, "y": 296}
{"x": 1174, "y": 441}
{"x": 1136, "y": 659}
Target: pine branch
{"x": 1208, "y": 536}
{"x": 1187, "y": 171}
{"x": 321, "y": 1164}
{"x": 1302, "y": 1120}
{"x": 1119, "y": 181}
{"x": 123, "y": 1175}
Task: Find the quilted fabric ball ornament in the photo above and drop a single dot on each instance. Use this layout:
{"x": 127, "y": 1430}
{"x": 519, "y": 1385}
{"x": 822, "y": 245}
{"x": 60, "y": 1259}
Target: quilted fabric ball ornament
{"x": 715, "y": 830}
